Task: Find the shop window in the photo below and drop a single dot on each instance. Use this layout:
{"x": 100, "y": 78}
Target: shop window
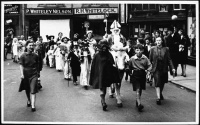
{"x": 138, "y": 7}
{"x": 145, "y": 7}
{"x": 163, "y": 8}
{"x": 152, "y": 6}
{"x": 51, "y": 5}
{"x": 179, "y": 6}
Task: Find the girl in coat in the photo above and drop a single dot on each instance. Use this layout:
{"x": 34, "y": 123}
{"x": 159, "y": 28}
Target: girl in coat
{"x": 160, "y": 59}
{"x": 101, "y": 75}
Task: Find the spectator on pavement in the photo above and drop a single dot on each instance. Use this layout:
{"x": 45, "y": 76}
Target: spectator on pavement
{"x": 184, "y": 43}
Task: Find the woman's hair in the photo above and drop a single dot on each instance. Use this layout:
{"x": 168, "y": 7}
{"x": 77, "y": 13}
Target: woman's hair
{"x": 163, "y": 43}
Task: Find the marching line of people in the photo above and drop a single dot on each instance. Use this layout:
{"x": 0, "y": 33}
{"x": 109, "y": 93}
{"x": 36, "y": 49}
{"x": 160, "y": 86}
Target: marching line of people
{"x": 102, "y": 65}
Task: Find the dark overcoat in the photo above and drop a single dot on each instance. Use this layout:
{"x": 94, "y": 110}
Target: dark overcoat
{"x": 101, "y": 70}
{"x": 74, "y": 63}
{"x": 160, "y": 68}
{"x": 183, "y": 55}
{"x": 153, "y": 57}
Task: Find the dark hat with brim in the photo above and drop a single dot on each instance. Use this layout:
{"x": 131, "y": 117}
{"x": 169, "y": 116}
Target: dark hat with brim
{"x": 65, "y": 38}
{"x": 49, "y": 37}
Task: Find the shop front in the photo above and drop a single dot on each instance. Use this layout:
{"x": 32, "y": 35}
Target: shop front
{"x": 94, "y": 17}
{"x": 48, "y": 20}
{"x": 12, "y": 19}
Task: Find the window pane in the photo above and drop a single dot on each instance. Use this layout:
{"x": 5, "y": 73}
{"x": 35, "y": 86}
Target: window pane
{"x": 183, "y": 6}
{"x": 163, "y": 8}
{"x": 145, "y": 6}
{"x": 176, "y": 6}
{"x": 152, "y": 6}
{"x": 138, "y": 6}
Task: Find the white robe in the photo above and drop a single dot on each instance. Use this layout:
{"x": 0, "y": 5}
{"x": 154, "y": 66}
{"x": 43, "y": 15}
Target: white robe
{"x": 85, "y": 67}
{"x": 59, "y": 60}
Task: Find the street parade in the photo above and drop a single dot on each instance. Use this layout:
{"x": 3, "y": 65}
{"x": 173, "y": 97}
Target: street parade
{"x": 111, "y": 66}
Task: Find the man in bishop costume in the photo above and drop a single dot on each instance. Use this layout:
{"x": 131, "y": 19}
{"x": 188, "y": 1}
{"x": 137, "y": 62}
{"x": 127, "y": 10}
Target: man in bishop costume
{"x": 118, "y": 47}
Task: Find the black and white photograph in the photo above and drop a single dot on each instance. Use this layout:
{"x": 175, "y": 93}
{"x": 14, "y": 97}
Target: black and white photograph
{"x": 100, "y": 62}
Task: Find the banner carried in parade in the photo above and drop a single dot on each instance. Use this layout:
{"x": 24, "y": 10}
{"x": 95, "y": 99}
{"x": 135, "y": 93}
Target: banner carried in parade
{"x": 95, "y": 10}
{"x": 33, "y": 11}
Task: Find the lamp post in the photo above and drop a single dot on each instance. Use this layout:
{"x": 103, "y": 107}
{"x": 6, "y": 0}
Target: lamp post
{"x": 106, "y": 21}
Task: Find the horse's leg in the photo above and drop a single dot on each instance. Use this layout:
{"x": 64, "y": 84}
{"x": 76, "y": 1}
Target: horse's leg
{"x": 118, "y": 87}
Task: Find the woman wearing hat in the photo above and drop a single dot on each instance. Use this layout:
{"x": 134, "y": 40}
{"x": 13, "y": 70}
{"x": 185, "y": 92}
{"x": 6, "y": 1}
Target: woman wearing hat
{"x": 101, "y": 71}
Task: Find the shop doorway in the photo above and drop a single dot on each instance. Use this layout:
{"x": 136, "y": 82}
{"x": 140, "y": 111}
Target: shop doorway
{"x": 53, "y": 27}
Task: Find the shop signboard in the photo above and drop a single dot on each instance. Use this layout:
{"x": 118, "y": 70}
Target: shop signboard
{"x": 93, "y": 17}
{"x": 11, "y": 8}
{"x": 95, "y": 10}
{"x": 37, "y": 11}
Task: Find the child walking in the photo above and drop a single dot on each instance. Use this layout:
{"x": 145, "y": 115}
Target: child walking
{"x": 139, "y": 64}
{"x": 51, "y": 56}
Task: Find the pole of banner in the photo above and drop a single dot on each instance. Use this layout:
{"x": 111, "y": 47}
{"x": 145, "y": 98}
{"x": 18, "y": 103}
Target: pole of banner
{"x": 68, "y": 72}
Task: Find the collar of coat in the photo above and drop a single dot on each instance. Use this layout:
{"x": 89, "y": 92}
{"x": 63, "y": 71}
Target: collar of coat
{"x": 135, "y": 57}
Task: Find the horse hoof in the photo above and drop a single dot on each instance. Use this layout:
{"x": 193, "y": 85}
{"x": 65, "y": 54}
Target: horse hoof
{"x": 119, "y": 105}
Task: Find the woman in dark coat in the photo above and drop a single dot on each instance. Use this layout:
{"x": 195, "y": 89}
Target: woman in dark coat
{"x": 101, "y": 70}
{"x": 29, "y": 67}
{"x": 172, "y": 43}
{"x": 160, "y": 59}
{"x": 184, "y": 43}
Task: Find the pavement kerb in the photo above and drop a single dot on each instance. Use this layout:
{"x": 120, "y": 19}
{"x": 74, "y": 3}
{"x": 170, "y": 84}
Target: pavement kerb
{"x": 182, "y": 86}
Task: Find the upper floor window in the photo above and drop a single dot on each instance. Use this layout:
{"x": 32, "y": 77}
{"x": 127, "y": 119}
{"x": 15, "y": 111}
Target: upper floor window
{"x": 163, "y": 8}
{"x": 144, "y": 7}
{"x": 51, "y": 5}
{"x": 179, "y": 6}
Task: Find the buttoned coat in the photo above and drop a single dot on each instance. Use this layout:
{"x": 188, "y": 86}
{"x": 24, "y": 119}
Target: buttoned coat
{"x": 153, "y": 57}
